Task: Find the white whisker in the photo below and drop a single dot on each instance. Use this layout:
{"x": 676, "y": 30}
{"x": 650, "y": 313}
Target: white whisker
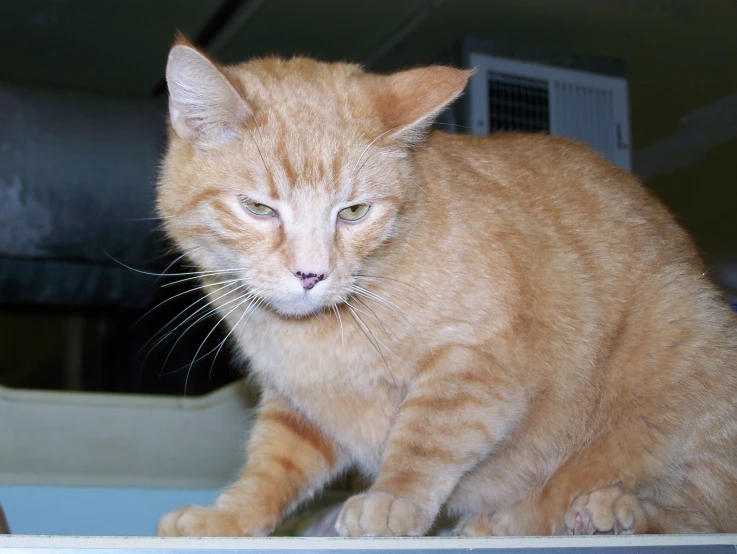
{"x": 340, "y": 320}
{"x": 188, "y": 291}
{"x": 356, "y": 167}
{"x": 248, "y": 297}
{"x": 377, "y": 278}
{"x": 366, "y": 331}
{"x": 199, "y": 275}
{"x": 259, "y": 302}
{"x": 380, "y": 299}
{"x": 153, "y": 274}
{"x": 373, "y": 314}
{"x": 397, "y": 310}
{"x": 155, "y": 218}
{"x": 372, "y": 334}
{"x": 203, "y": 298}
{"x": 207, "y": 314}
{"x": 168, "y": 267}
{"x": 252, "y": 307}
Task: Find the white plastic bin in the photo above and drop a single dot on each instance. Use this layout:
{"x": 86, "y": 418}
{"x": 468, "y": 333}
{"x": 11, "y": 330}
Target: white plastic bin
{"x": 111, "y": 464}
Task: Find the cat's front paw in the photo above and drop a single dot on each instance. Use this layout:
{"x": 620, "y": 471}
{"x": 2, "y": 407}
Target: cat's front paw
{"x": 195, "y": 521}
{"x": 379, "y": 514}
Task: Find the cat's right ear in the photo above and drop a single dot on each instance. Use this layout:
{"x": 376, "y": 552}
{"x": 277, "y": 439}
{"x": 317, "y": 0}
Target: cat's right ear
{"x": 409, "y": 100}
{"x": 204, "y": 107}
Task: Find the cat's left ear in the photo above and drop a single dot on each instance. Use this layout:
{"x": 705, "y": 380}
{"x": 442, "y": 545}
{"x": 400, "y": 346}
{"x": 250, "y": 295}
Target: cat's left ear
{"x": 413, "y": 98}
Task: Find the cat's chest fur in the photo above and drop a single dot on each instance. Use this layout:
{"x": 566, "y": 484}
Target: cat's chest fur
{"x": 333, "y": 375}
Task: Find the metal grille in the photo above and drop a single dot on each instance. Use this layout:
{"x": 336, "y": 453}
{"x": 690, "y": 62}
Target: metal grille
{"x": 586, "y": 113}
{"x": 518, "y": 104}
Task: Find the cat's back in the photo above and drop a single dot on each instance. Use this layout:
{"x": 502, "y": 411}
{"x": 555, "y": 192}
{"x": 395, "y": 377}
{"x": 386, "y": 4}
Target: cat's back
{"x": 549, "y": 220}
{"x": 533, "y": 169}
{"x": 551, "y": 188}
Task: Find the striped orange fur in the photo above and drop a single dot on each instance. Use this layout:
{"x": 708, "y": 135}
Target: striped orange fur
{"x": 514, "y": 329}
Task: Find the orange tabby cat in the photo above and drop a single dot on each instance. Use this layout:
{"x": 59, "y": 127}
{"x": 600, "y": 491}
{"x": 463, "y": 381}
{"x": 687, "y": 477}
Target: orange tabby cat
{"x": 508, "y": 326}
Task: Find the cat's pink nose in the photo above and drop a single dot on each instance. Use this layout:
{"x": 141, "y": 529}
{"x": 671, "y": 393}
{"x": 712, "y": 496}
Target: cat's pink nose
{"x": 311, "y": 278}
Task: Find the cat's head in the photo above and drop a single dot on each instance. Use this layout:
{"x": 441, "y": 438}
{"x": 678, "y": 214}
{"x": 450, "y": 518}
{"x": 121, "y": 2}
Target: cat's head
{"x": 292, "y": 174}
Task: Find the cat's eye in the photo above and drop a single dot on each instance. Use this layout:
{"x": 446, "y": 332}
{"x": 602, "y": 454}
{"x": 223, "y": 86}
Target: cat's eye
{"x": 257, "y": 209}
{"x": 354, "y": 213}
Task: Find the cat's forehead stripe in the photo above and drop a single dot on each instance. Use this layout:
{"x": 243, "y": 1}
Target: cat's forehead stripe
{"x": 199, "y": 198}
{"x": 322, "y": 172}
{"x": 290, "y": 173}
{"x": 273, "y": 189}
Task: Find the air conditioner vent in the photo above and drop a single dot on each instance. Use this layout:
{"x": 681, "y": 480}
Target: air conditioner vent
{"x": 518, "y": 104}
{"x": 513, "y": 95}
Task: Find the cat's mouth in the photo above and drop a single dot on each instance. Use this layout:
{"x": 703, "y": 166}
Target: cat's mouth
{"x": 301, "y": 304}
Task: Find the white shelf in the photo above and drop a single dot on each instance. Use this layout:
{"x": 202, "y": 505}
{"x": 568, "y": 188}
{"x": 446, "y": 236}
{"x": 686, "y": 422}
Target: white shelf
{"x": 692, "y": 544}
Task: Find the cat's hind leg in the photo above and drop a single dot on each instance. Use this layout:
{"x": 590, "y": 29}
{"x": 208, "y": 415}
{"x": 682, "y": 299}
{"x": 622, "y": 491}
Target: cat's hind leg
{"x": 477, "y": 525}
{"x": 498, "y": 524}
{"x": 611, "y": 511}
{"x": 606, "y": 511}
{"x": 666, "y": 520}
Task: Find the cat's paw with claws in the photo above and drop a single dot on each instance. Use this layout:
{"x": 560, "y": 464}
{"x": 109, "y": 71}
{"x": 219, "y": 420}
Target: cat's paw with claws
{"x": 196, "y": 521}
{"x": 380, "y": 514}
{"x": 605, "y": 511}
